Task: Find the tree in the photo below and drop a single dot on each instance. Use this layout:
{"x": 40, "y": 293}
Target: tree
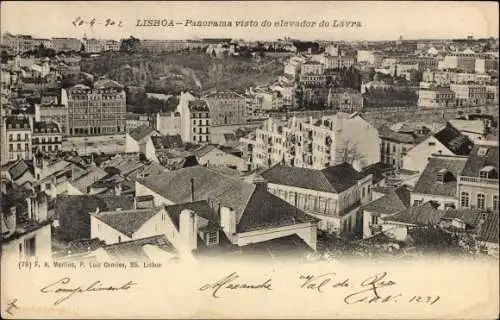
{"x": 351, "y": 154}
{"x": 130, "y": 45}
{"x": 82, "y": 48}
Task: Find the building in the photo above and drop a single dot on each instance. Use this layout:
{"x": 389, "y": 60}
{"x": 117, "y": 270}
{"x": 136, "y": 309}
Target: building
{"x": 66, "y": 44}
{"x": 53, "y": 112}
{"x": 221, "y": 157}
{"x": 168, "y": 123}
{"x": 317, "y": 144}
{"x": 159, "y": 46}
{"x": 438, "y": 181}
{"x": 134, "y": 120}
{"x": 268, "y": 100}
{"x": 312, "y": 80}
{"x": 444, "y": 78}
{"x": 484, "y": 65}
{"x": 248, "y": 212}
{"x": 492, "y": 94}
{"x": 394, "y": 146}
{"x": 339, "y": 62}
{"x": 26, "y": 231}
{"x": 369, "y": 57}
{"x": 46, "y": 137}
{"x": 95, "y": 111}
{"x": 73, "y": 212}
{"x": 436, "y": 97}
{"x": 21, "y": 43}
{"x": 16, "y": 138}
{"x": 448, "y": 141}
{"x": 394, "y": 200}
{"x": 473, "y": 129}
{"x": 345, "y": 100}
{"x": 332, "y": 194}
{"x": 100, "y": 45}
{"x": 312, "y": 67}
{"x": 139, "y": 140}
{"x": 477, "y": 184}
{"x": 469, "y": 94}
{"x": 226, "y": 108}
{"x": 461, "y": 61}
{"x": 200, "y": 121}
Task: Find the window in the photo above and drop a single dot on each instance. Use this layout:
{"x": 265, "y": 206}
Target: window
{"x": 464, "y": 199}
{"x": 119, "y": 239}
{"x": 26, "y": 136}
{"x": 432, "y": 143}
{"x": 18, "y": 147}
{"x": 374, "y": 220}
{"x": 362, "y": 192}
{"x": 29, "y": 247}
{"x": 481, "y": 200}
{"x": 495, "y": 202}
{"x": 11, "y": 147}
{"x": 212, "y": 237}
{"x": 18, "y": 136}
{"x": 483, "y": 174}
{"x": 10, "y": 137}
{"x": 417, "y": 203}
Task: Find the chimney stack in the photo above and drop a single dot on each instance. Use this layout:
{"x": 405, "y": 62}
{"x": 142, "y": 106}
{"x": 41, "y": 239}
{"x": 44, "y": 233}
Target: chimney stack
{"x": 228, "y": 221}
{"x": 192, "y": 189}
{"x": 188, "y": 229}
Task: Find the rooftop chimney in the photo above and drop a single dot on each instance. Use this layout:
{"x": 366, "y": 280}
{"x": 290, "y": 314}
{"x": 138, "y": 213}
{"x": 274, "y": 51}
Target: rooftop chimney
{"x": 228, "y": 221}
{"x": 188, "y": 229}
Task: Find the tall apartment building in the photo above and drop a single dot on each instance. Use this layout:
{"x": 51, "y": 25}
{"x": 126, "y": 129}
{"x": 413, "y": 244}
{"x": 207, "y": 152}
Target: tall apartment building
{"x": 16, "y": 137}
{"x": 339, "y": 62}
{"x": 317, "y": 144}
{"x": 195, "y": 119}
{"x": 462, "y": 61}
{"x": 95, "y": 111}
{"x": 226, "y": 108}
{"x": 46, "y": 137}
{"x": 99, "y": 45}
{"x": 21, "y": 43}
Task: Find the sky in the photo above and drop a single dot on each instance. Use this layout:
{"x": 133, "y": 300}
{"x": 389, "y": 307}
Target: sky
{"x": 379, "y": 20}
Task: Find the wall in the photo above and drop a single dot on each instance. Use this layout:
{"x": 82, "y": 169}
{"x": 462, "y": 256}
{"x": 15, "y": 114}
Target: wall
{"x": 488, "y": 190}
{"x": 99, "y": 229}
{"x": 306, "y": 231}
{"x": 43, "y": 244}
{"x": 131, "y": 145}
{"x": 416, "y": 158}
{"x": 142, "y": 190}
{"x": 219, "y": 158}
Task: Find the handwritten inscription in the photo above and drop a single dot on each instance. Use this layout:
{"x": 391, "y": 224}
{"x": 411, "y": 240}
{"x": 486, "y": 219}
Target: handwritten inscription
{"x": 79, "y": 21}
{"x": 371, "y": 290}
{"x": 11, "y": 306}
{"x": 61, "y": 288}
{"x": 229, "y": 283}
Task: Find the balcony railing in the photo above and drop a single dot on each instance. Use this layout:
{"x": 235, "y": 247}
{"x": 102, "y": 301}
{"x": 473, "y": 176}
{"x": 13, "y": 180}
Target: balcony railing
{"x": 466, "y": 179}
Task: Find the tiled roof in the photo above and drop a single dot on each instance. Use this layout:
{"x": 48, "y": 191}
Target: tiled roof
{"x": 135, "y": 248}
{"x": 473, "y": 126}
{"x": 285, "y": 247}
{"x": 224, "y": 95}
{"x": 471, "y": 217}
{"x": 385, "y": 132}
{"x": 88, "y": 177}
{"x": 477, "y": 161}
{"x": 428, "y": 184}
{"x": 19, "y": 168}
{"x": 141, "y": 132}
{"x": 265, "y": 210}
{"x": 454, "y": 140}
{"x": 377, "y": 171}
{"x": 423, "y": 215}
{"x": 333, "y": 179}
{"x": 126, "y": 221}
{"x": 73, "y": 211}
{"x": 201, "y": 208}
{"x": 204, "y": 150}
{"x": 393, "y": 202}
{"x": 198, "y": 105}
{"x": 254, "y": 206}
{"x": 208, "y": 185}
{"x": 167, "y": 142}
{"x": 489, "y": 229}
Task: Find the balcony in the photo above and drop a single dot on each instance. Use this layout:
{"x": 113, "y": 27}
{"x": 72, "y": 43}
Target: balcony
{"x": 478, "y": 181}
{"x": 375, "y": 228}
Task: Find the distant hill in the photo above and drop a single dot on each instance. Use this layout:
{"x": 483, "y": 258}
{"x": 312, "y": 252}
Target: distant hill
{"x": 171, "y": 73}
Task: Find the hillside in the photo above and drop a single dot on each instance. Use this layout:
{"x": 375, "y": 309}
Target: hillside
{"x": 171, "y": 73}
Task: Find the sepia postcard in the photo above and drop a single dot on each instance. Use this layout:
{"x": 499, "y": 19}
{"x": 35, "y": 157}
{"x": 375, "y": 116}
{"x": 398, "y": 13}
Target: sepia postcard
{"x": 249, "y": 159}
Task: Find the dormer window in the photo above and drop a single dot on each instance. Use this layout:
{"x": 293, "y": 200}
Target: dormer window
{"x": 482, "y": 151}
{"x": 488, "y": 172}
{"x": 442, "y": 175}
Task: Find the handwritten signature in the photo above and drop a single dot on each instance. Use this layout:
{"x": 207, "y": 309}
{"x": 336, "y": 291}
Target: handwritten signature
{"x": 228, "y": 282}
{"x": 67, "y": 292}
{"x": 11, "y": 305}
